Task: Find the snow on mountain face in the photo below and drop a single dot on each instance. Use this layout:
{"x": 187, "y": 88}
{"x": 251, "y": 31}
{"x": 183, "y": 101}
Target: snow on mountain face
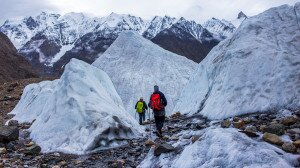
{"x": 256, "y": 70}
{"x": 220, "y": 28}
{"x": 77, "y": 113}
{"x": 222, "y": 147}
{"x": 157, "y": 25}
{"x": 135, "y": 65}
{"x": 91, "y": 45}
{"x": 45, "y": 36}
{"x": 50, "y": 41}
{"x": 188, "y": 39}
{"x": 196, "y": 30}
{"x": 117, "y": 23}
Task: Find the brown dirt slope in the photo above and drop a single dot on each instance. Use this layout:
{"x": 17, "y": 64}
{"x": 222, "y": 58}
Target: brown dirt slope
{"x": 12, "y": 65}
{"x": 10, "y": 94}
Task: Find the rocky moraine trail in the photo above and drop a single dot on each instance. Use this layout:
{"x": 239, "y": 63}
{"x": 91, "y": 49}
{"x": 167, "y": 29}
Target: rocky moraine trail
{"x": 281, "y": 130}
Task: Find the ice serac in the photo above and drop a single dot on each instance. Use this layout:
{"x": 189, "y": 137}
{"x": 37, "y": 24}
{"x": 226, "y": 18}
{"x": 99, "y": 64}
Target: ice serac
{"x": 78, "y": 113}
{"x": 226, "y": 147}
{"x": 135, "y": 65}
{"x": 255, "y": 70}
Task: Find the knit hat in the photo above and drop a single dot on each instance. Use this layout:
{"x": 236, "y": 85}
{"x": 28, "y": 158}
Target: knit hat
{"x": 156, "y": 88}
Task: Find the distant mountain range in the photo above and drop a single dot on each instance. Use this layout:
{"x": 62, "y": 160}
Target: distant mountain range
{"x": 48, "y": 41}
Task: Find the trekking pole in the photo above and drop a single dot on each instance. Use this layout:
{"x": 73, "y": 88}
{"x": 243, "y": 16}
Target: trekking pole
{"x": 150, "y": 123}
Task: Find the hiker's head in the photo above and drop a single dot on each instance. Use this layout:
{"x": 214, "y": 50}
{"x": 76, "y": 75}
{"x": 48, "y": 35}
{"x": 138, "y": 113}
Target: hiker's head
{"x": 141, "y": 98}
{"x": 156, "y": 88}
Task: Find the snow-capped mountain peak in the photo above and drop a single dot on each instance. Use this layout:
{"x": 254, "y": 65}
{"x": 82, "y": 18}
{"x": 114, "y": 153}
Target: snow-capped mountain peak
{"x": 50, "y": 40}
{"x": 193, "y": 28}
{"x": 158, "y": 24}
{"x": 220, "y": 28}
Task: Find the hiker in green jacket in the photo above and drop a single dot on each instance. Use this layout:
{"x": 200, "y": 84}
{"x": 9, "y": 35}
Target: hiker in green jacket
{"x": 141, "y": 108}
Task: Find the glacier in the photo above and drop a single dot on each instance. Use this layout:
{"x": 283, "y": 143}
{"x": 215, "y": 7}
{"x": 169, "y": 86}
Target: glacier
{"x": 135, "y": 65}
{"x": 257, "y": 69}
{"x": 78, "y": 113}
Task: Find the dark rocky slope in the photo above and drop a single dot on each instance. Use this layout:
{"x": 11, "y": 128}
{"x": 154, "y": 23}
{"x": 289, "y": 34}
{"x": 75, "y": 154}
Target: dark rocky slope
{"x": 12, "y": 65}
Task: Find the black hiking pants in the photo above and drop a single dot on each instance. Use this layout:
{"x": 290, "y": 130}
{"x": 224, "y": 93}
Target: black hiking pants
{"x": 159, "y": 122}
{"x": 142, "y": 117}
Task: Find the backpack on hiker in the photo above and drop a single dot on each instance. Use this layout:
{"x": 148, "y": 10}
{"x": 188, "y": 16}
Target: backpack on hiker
{"x": 156, "y": 103}
{"x": 140, "y": 107}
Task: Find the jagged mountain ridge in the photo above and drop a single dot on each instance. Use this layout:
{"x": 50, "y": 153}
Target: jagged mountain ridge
{"x": 49, "y": 41}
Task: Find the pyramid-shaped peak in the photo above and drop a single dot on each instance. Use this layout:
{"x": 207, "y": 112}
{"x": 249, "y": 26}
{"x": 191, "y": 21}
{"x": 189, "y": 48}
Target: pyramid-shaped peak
{"x": 242, "y": 15}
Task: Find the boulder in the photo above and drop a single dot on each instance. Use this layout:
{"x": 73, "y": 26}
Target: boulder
{"x": 33, "y": 150}
{"x": 293, "y": 131}
{"x": 236, "y": 119}
{"x": 195, "y": 138}
{"x": 150, "y": 143}
{"x": 290, "y": 120}
{"x": 186, "y": 136}
{"x": 176, "y": 115}
{"x": 251, "y": 129}
{"x": 296, "y": 125}
{"x": 62, "y": 163}
{"x": 289, "y": 147}
{"x": 225, "y": 123}
{"x": 250, "y": 133}
{"x": 8, "y": 133}
{"x": 163, "y": 148}
{"x": 13, "y": 123}
{"x": 29, "y": 144}
{"x": 247, "y": 120}
{"x": 297, "y": 143}
{"x": 3, "y": 150}
{"x": 262, "y": 128}
{"x": 272, "y": 138}
{"x": 174, "y": 138}
{"x": 277, "y": 129}
{"x": 239, "y": 124}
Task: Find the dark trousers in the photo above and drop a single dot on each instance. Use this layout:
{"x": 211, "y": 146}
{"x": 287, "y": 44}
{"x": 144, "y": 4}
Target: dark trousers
{"x": 159, "y": 122}
{"x": 142, "y": 117}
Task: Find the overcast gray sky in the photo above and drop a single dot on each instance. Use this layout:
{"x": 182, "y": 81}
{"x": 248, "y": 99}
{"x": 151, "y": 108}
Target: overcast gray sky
{"x": 199, "y": 10}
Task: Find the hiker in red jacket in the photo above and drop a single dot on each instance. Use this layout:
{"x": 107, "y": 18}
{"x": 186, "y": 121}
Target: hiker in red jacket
{"x": 157, "y": 103}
